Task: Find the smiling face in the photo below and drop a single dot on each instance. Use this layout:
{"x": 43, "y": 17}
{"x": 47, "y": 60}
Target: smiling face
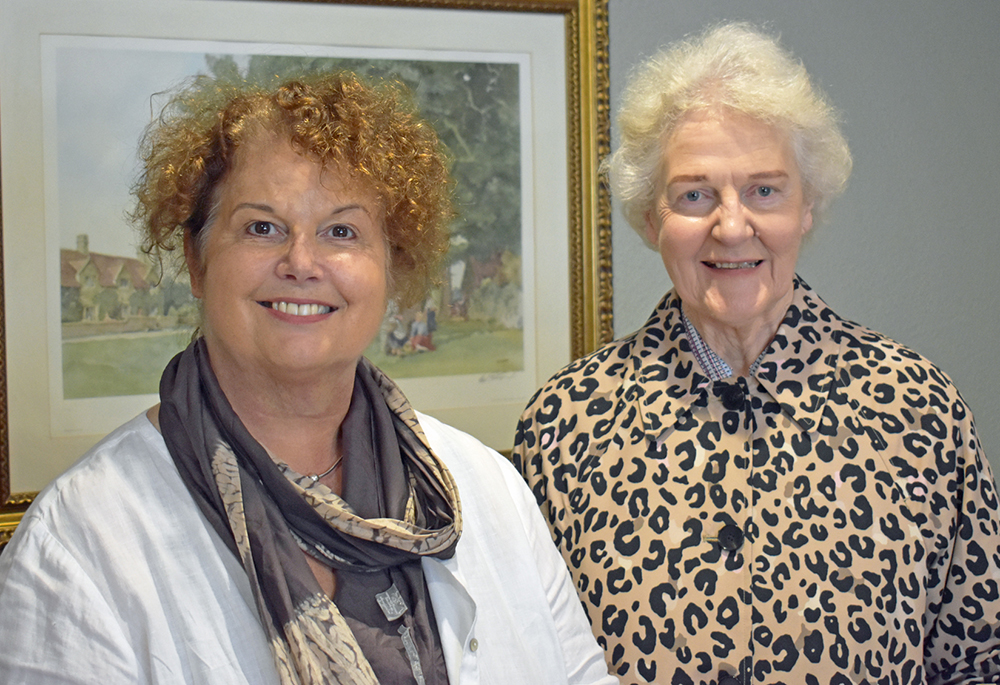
{"x": 729, "y": 218}
{"x": 292, "y": 272}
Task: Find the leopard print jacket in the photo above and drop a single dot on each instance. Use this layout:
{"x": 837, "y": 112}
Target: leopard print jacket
{"x": 830, "y": 520}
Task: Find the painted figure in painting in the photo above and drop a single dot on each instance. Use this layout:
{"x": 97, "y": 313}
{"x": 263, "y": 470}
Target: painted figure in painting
{"x": 284, "y": 515}
{"x": 420, "y": 333}
{"x": 751, "y": 489}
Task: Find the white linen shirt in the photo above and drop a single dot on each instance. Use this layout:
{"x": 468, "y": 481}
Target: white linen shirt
{"x": 114, "y": 576}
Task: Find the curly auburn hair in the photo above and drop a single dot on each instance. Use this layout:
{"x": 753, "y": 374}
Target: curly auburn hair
{"x": 370, "y": 129}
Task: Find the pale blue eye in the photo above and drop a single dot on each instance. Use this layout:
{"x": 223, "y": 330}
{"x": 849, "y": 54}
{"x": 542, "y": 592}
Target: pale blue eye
{"x": 765, "y": 191}
{"x": 692, "y": 195}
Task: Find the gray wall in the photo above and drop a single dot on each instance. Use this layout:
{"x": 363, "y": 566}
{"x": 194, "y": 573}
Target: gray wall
{"x": 912, "y": 248}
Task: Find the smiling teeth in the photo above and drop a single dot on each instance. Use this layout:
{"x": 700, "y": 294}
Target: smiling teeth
{"x": 300, "y": 309}
{"x": 734, "y": 265}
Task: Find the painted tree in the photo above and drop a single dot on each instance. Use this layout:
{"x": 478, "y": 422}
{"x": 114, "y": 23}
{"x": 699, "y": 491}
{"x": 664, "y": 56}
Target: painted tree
{"x": 474, "y": 106}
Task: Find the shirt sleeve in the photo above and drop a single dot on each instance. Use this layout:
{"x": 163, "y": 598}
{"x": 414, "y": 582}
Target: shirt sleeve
{"x": 584, "y": 658}
{"x": 56, "y": 628}
{"x": 526, "y": 457}
{"x": 962, "y": 638}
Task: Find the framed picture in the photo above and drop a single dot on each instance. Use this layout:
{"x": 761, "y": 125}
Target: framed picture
{"x": 517, "y": 89}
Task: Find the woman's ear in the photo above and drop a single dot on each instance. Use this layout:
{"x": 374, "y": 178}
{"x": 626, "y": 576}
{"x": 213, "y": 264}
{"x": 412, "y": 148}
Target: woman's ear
{"x": 652, "y": 230}
{"x": 193, "y": 261}
{"x": 807, "y": 219}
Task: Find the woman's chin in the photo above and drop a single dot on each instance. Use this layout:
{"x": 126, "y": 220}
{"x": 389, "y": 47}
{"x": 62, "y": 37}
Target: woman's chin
{"x": 734, "y": 316}
{"x": 310, "y": 367}
{"x": 304, "y": 350}
{"x": 290, "y": 364}
{"x": 744, "y": 306}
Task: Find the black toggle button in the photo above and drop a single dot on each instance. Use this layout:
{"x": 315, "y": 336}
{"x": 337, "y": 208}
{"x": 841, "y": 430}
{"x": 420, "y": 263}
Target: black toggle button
{"x": 726, "y": 679}
{"x": 732, "y": 397}
{"x": 730, "y": 538}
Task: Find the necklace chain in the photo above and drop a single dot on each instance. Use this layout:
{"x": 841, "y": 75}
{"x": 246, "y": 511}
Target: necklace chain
{"x": 314, "y": 477}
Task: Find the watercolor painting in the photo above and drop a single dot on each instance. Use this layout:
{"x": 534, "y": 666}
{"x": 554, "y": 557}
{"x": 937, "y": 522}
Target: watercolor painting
{"x": 123, "y": 316}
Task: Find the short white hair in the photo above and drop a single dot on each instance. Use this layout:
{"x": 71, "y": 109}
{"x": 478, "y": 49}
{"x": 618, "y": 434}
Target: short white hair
{"x": 728, "y": 68}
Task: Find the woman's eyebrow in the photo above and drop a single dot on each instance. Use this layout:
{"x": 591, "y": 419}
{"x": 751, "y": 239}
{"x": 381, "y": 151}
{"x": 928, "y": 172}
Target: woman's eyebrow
{"x": 253, "y": 205}
{"x": 768, "y": 174}
{"x": 698, "y": 178}
{"x": 686, "y": 178}
{"x": 350, "y": 207}
{"x": 269, "y": 209}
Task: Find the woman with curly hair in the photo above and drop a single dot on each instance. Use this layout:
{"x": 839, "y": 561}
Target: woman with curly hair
{"x": 283, "y": 515}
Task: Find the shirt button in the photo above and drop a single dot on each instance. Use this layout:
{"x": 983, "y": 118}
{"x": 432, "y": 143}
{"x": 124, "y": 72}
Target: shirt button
{"x": 730, "y": 538}
{"x": 473, "y": 644}
{"x": 732, "y": 397}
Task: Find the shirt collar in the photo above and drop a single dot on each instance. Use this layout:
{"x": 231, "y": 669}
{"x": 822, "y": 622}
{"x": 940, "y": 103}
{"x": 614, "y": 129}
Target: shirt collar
{"x": 800, "y": 365}
{"x": 797, "y": 369}
{"x": 710, "y": 362}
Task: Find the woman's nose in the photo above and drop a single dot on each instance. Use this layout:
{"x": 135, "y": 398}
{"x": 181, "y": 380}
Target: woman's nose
{"x": 300, "y": 260}
{"x": 732, "y": 222}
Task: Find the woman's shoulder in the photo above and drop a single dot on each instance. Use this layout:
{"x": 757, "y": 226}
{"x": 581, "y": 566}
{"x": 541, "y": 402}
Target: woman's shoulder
{"x": 458, "y": 450}
{"x": 479, "y": 471}
{"x": 114, "y": 459}
{"x": 896, "y": 395}
{"x": 862, "y": 354}
{"x": 117, "y": 548}
{"x": 125, "y": 481}
{"x": 599, "y": 372}
{"x": 865, "y": 353}
{"x": 611, "y": 365}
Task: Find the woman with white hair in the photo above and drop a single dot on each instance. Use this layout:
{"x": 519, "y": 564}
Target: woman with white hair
{"x": 750, "y": 489}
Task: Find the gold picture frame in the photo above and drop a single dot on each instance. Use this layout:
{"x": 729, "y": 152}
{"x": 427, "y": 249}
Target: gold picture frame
{"x": 585, "y": 29}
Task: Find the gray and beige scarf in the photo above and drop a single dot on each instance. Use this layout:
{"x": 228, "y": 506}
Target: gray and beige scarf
{"x": 399, "y": 504}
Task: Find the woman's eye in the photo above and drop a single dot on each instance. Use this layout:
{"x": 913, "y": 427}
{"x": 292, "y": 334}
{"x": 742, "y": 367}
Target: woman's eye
{"x": 692, "y": 196}
{"x": 262, "y": 228}
{"x": 342, "y": 231}
{"x": 765, "y": 191}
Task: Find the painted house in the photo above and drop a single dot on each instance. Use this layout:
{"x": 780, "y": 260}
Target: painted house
{"x": 100, "y": 287}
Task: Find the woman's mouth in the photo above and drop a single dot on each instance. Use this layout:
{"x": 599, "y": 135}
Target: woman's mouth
{"x": 733, "y": 265}
{"x": 298, "y": 309}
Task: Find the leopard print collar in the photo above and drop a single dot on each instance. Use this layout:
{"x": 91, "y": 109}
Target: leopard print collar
{"x": 666, "y": 381}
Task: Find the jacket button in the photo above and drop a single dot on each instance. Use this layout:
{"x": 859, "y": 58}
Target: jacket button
{"x": 473, "y": 644}
{"x": 726, "y": 679}
{"x": 730, "y": 538}
{"x": 732, "y": 397}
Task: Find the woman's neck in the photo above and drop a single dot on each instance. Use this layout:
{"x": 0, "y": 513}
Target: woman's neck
{"x": 738, "y": 350}
{"x": 738, "y": 346}
{"x": 297, "y": 419}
